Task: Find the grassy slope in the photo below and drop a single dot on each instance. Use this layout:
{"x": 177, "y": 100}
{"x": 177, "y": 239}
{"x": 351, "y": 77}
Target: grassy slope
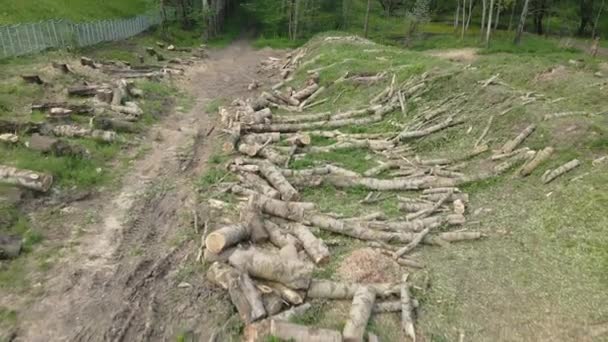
{"x": 541, "y": 273}
{"x": 19, "y": 11}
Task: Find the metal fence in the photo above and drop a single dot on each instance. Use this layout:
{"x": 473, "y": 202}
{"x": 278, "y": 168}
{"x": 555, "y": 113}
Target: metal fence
{"x": 21, "y": 39}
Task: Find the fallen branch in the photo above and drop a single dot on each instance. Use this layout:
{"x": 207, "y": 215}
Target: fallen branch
{"x": 25, "y": 178}
{"x": 360, "y": 312}
{"x": 512, "y": 144}
{"x": 314, "y": 247}
{"x": 327, "y": 289}
{"x": 550, "y": 175}
{"x": 407, "y": 321}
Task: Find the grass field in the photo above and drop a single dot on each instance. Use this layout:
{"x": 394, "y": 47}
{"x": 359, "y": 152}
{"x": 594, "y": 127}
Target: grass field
{"x": 21, "y": 11}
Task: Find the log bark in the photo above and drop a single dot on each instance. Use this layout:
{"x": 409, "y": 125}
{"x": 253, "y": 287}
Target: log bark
{"x": 306, "y": 92}
{"x": 88, "y": 90}
{"x": 314, "y": 247}
{"x": 512, "y": 144}
{"x": 327, "y": 289}
{"x": 413, "y": 244}
{"x": 539, "y": 158}
{"x": 300, "y": 333}
{"x": 56, "y": 146}
{"x": 109, "y": 124}
{"x": 225, "y": 237}
{"x": 261, "y": 138}
{"x": 119, "y": 93}
{"x": 360, "y": 312}
{"x": 289, "y": 295}
{"x": 292, "y": 273}
{"x": 211, "y": 257}
{"x": 25, "y": 178}
{"x": 550, "y": 175}
{"x": 374, "y": 171}
{"x": 32, "y": 79}
{"x": 10, "y": 246}
{"x": 407, "y": 320}
{"x": 273, "y": 304}
{"x": 9, "y": 138}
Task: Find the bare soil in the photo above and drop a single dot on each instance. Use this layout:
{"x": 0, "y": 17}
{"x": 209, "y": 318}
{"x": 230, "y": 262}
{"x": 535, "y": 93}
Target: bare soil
{"x": 121, "y": 279}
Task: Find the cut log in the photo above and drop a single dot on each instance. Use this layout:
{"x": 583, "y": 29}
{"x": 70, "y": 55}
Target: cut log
{"x": 357, "y": 230}
{"x": 25, "y": 178}
{"x": 292, "y": 273}
{"x": 85, "y": 61}
{"x": 9, "y": 138}
{"x": 289, "y": 210}
{"x": 374, "y": 171}
{"x": 314, "y": 247}
{"x": 109, "y": 124}
{"x": 300, "y": 333}
{"x": 251, "y": 217}
{"x": 10, "y": 246}
{"x": 32, "y": 79}
{"x": 243, "y": 293}
{"x": 278, "y": 237}
{"x": 512, "y": 144}
{"x": 457, "y": 236}
{"x": 87, "y": 90}
{"x": 449, "y": 122}
{"x": 63, "y": 67}
{"x": 327, "y": 289}
{"x": 429, "y": 211}
{"x": 413, "y": 244}
{"x": 225, "y": 237}
{"x": 296, "y": 310}
{"x": 360, "y": 312}
{"x": 411, "y": 226}
{"x": 258, "y": 184}
{"x": 119, "y": 93}
{"x": 273, "y": 304}
{"x": 550, "y": 175}
{"x": 274, "y": 176}
{"x": 407, "y": 320}
{"x": 56, "y": 146}
{"x": 306, "y": 92}
{"x": 261, "y": 138}
{"x": 289, "y": 295}
{"x": 130, "y": 108}
{"x": 539, "y": 158}
{"x": 211, "y": 257}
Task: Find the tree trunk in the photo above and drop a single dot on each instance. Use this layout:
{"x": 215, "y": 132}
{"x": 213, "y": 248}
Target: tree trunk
{"x": 489, "y": 25}
{"x": 288, "y": 210}
{"x": 299, "y": 333}
{"x": 457, "y": 16}
{"x": 25, "y": 178}
{"x": 597, "y": 20}
{"x": 510, "y": 145}
{"x": 278, "y": 237}
{"x": 483, "y": 16}
{"x": 367, "y": 13}
{"x": 291, "y": 273}
{"x": 360, "y": 312}
{"x": 522, "y": 23}
{"x": 10, "y": 246}
{"x": 464, "y": 17}
{"x": 274, "y": 176}
{"x": 498, "y": 10}
{"x": 471, "y": 2}
{"x": 513, "y": 5}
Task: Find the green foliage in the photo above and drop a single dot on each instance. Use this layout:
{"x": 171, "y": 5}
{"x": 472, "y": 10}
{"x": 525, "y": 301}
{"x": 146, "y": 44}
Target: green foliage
{"x": 18, "y": 11}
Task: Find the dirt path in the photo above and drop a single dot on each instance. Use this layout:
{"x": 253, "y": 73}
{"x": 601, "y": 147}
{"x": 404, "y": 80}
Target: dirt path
{"x": 120, "y": 283}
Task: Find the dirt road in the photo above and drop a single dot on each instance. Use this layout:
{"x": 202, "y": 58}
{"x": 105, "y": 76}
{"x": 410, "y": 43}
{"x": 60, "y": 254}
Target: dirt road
{"x": 120, "y": 282}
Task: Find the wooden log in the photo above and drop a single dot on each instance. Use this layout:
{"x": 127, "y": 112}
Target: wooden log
{"x": 357, "y": 230}
{"x": 550, "y": 175}
{"x": 278, "y": 237}
{"x": 274, "y": 176}
{"x": 211, "y": 257}
{"x": 258, "y": 184}
{"x": 56, "y": 146}
{"x": 119, "y": 93}
{"x": 260, "y": 330}
{"x": 300, "y": 333}
{"x": 9, "y": 138}
{"x": 85, "y": 61}
{"x": 289, "y": 210}
{"x": 289, "y": 252}
{"x": 63, "y": 67}
{"x": 314, "y": 247}
{"x": 374, "y": 171}
{"x": 243, "y": 293}
{"x": 130, "y": 108}
{"x": 360, "y": 312}
{"x": 327, "y": 289}
{"x": 289, "y": 295}
{"x": 449, "y": 122}
{"x": 413, "y": 244}
{"x": 87, "y": 90}
{"x": 25, "y": 178}
{"x": 458, "y": 236}
{"x": 273, "y": 304}
{"x": 429, "y": 211}
{"x": 407, "y": 320}
{"x": 225, "y": 237}
{"x": 305, "y": 92}
{"x": 110, "y": 124}
{"x": 538, "y": 159}
{"x": 261, "y": 138}
{"x": 10, "y": 246}
{"x": 410, "y": 226}
{"x": 251, "y": 217}
{"x": 292, "y": 273}
{"x": 32, "y": 79}
{"x": 512, "y": 144}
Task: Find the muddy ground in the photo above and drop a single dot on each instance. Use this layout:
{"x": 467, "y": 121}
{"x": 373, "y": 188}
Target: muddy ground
{"x": 119, "y": 278}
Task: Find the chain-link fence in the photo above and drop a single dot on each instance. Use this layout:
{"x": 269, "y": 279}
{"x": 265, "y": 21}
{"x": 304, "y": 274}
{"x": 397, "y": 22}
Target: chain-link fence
{"x": 21, "y": 39}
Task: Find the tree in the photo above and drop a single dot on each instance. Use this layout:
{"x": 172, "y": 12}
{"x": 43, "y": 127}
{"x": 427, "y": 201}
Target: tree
{"x": 483, "y": 16}
{"x": 464, "y": 15}
{"x": 522, "y": 23}
{"x": 419, "y": 16}
{"x": 597, "y": 19}
{"x": 513, "y": 5}
{"x": 390, "y": 6}
{"x": 585, "y": 12}
{"x": 457, "y": 15}
{"x": 366, "y": 27}
{"x": 489, "y": 25}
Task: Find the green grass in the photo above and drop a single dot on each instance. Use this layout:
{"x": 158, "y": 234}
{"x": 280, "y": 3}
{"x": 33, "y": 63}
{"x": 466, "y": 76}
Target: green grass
{"x": 77, "y": 10}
